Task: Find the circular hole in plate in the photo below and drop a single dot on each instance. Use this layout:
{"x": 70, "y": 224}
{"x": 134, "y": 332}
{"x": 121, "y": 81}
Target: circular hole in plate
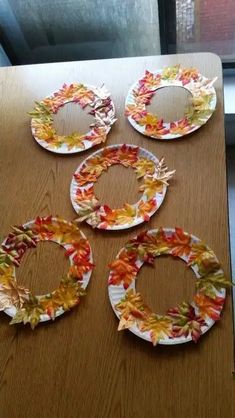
{"x": 166, "y": 284}
{"x": 71, "y": 118}
{"x": 42, "y": 268}
{"x": 169, "y": 103}
{"x": 117, "y": 186}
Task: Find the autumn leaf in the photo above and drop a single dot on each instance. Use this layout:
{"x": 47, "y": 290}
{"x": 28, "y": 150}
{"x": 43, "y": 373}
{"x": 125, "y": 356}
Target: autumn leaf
{"x": 148, "y": 246}
{"x": 180, "y": 243}
{"x": 127, "y": 155}
{"x": 11, "y": 294}
{"x": 160, "y": 327}
{"x": 148, "y": 119}
{"x": 142, "y": 95}
{"x": 156, "y": 130}
{"x": 143, "y": 166}
{"x": 186, "y": 322}
{"x": 97, "y": 135}
{"x": 132, "y": 309}
{"x": 188, "y": 74}
{"x": 170, "y": 73}
{"x": 125, "y": 215}
{"x": 6, "y": 274}
{"x": 135, "y": 111}
{"x": 151, "y": 187}
{"x": 150, "y": 81}
{"x": 68, "y": 294}
{"x": 50, "y": 306}
{"x": 180, "y": 127}
{"x": 123, "y": 270}
{"x": 29, "y": 313}
{"x": 85, "y": 194}
{"x": 146, "y": 208}
{"x": 212, "y": 282}
{"x": 208, "y": 306}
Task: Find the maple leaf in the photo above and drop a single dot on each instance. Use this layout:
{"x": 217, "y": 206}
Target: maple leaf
{"x": 143, "y": 166}
{"x": 29, "y": 313}
{"x": 156, "y": 130}
{"x": 170, "y": 73}
{"x": 9, "y": 256}
{"x": 110, "y": 155}
{"x": 180, "y": 243}
{"x": 81, "y": 247}
{"x": 49, "y": 305}
{"x": 160, "y": 327}
{"x": 83, "y": 178}
{"x": 146, "y": 208}
{"x": 188, "y": 74}
{"x": 186, "y": 322}
{"x": 180, "y": 127}
{"x": 136, "y": 111}
{"x": 148, "y": 246}
{"x": 68, "y": 293}
{"x": 123, "y": 269}
{"x": 132, "y": 309}
{"x": 97, "y": 135}
{"x": 87, "y": 209}
{"x": 142, "y": 95}
{"x": 151, "y": 187}
{"x": 21, "y": 238}
{"x": 83, "y": 95}
{"x": 73, "y": 140}
{"x": 148, "y": 119}
{"x": 6, "y": 273}
{"x": 84, "y": 194}
{"x": 41, "y": 227}
{"x": 127, "y": 155}
{"x": 208, "y": 284}
{"x": 207, "y": 306}
{"x": 125, "y": 215}
{"x": 41, "y": 112}
{"x": 12, "y": 295}
{"x": 150, "y": 81}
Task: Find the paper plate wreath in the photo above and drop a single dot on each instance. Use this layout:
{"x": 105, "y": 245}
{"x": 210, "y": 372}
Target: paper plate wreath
{"x": 201, "y": 106}
{"x": 185, "y": 322}
{"x": 102, "y": 108}
{"x": 155, "y": 177}
{"x": 17, "y": 301}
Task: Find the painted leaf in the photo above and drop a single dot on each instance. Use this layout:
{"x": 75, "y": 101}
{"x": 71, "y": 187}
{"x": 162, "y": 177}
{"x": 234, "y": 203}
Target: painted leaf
{"x": 142, "y": 95}
{"x": 160, "y": 327}
{"x": 180, "y": 127}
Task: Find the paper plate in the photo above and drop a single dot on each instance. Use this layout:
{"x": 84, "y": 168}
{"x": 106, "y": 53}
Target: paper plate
{"x": 17, "y": 301}
{"x": 185, "y": 322}
{"x": 200, "y": 108}
{"x": 153, "y": 172}
{"x": 101, "y": 107}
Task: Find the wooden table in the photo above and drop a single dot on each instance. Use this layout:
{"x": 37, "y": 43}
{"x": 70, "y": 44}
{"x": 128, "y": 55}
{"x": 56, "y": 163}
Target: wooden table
{"x": 80, "y": 366}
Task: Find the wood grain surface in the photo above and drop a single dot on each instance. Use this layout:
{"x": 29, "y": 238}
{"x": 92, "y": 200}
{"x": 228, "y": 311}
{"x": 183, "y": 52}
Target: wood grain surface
{"x": 80, "y": 366}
